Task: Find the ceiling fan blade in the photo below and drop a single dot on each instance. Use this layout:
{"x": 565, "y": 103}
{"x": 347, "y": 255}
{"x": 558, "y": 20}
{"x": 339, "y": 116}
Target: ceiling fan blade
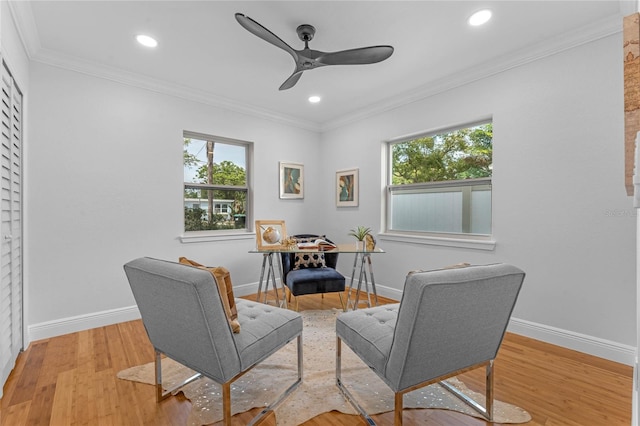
{"x": 260, "y": 31}
{"x": 292, "y": 80}
{"x": 360, "y": 56}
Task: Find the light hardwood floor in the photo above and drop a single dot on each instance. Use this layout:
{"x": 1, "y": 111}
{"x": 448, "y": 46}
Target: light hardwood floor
{"x": 71, "y": 380}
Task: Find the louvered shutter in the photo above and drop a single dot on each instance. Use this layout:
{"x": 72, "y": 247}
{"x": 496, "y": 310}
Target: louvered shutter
{"x": 11, "y": 322}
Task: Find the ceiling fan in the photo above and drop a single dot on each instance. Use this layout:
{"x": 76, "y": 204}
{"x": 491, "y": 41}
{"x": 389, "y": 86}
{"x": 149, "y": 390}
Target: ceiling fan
{"x": 308, "y": 59}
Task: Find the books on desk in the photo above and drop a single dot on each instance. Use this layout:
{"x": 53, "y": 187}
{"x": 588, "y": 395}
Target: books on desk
{"x": 318, "y": 244}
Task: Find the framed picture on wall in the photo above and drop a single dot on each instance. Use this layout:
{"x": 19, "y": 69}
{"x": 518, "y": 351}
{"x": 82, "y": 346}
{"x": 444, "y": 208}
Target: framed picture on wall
{"x": 291, "y": 180}
{"x": 347, "y": 188}
{"x": 270, "y": 234}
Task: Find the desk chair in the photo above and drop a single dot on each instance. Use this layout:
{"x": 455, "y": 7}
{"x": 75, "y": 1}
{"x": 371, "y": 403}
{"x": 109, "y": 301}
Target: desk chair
{"x": 316, "y": 276}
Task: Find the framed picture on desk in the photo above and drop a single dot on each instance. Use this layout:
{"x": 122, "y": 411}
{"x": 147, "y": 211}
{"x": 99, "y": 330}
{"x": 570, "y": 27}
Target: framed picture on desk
{"x": 270, "y": 234}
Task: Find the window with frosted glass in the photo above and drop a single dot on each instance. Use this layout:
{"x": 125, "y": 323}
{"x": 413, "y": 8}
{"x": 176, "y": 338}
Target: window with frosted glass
{"x": 441, "y": 182}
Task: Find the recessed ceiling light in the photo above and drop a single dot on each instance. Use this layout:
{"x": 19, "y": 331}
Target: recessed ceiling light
{"x": 147, "y": 41}
{"x": 480, "y": 17}
{"x": 314, "y": 99}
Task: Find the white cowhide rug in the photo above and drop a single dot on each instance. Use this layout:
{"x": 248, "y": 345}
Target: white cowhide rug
{"x": 318, "y": 392}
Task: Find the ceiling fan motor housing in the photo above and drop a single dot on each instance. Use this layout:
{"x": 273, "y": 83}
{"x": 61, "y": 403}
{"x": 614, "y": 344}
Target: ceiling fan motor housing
{"x": 306, "y": 32}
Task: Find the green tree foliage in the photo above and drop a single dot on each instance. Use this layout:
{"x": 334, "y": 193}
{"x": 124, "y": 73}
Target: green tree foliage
{"x": 461, "y": 154}
{"x": 190, "y": 160}
{"x": 225, "y": 173}
{"x": 195, "y": 219}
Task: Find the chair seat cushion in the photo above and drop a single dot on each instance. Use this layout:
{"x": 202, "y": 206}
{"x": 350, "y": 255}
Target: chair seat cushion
{"x": 369, "y": 333}
{"x": 264, "y": 329}
{"x": 315, "y": 280}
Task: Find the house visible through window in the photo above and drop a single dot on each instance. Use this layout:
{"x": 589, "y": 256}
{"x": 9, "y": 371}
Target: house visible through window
{"x": 440, "y": 183}
{"x": 216, "y": 189}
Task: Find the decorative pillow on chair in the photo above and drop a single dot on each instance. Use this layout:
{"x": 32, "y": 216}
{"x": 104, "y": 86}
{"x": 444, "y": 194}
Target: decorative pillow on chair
{"x": 309, "y": 260}
{"x": 222, "y": 277}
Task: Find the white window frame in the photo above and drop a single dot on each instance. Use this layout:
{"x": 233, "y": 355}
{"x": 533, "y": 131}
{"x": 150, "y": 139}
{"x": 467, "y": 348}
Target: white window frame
{"x": 460, "y": 240}
{"x": 224, "y": 234}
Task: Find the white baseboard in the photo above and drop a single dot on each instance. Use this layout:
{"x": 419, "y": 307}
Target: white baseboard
{"x": 68, "y": 325}
{"x": 245, "y": 289}
{"x": 62, "y": 326}
{"x": 602, "y": 348}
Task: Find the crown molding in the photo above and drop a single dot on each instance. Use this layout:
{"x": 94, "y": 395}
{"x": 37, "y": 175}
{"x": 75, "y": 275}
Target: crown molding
{"x": 137, "y": 80}
{"x": 587, "y": 34}
{"x": 22, "y": 15}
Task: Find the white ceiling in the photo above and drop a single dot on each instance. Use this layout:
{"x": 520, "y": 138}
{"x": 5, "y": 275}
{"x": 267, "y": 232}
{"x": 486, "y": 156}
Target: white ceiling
{"x": 205, "y": 55}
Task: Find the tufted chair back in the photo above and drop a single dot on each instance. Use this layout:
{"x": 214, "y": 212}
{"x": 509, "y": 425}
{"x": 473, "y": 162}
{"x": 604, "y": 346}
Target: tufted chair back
{"x": 184, "y": 316}
{"x": 448, "y": 321}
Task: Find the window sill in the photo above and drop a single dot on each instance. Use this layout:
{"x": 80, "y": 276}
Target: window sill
{"x": 469, "y": 243}
{"x": 204, "y": 237}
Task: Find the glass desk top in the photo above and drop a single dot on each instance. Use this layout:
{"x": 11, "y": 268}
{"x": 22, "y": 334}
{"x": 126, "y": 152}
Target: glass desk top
{"x": 340, "y": 248}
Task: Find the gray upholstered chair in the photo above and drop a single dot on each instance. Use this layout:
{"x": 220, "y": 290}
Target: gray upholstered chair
{"x": 449, "y": 321}
{"x": 184, "y": 317}
{"x": 312, "y": 280}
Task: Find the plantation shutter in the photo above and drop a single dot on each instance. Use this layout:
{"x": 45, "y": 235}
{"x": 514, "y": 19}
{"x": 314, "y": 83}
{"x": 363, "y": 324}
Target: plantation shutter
{"x": 11, "y": 332}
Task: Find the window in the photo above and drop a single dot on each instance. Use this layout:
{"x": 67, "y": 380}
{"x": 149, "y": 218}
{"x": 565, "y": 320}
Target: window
{"x": 216, "y": 183}
{"x": 440, "y": 183}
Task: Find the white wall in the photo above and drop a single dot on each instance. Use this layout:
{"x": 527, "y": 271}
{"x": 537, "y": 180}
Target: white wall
{"x": 105, "y": 186}
{"x": 559, "y": 205}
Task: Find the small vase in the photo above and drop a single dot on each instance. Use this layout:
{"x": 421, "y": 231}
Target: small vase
{"x": 359, "y": 245}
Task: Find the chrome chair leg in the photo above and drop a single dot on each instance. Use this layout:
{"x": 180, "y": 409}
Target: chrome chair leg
{"x": 226, "y": 387}
{"x": 397, "y": 409}
{"x": 226, "y": 403}
{"x": 282, "y": 396}
{"x": 487, "y": 410}
{"x": 344, "y": 390}
{"x": 161, "y": 394}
